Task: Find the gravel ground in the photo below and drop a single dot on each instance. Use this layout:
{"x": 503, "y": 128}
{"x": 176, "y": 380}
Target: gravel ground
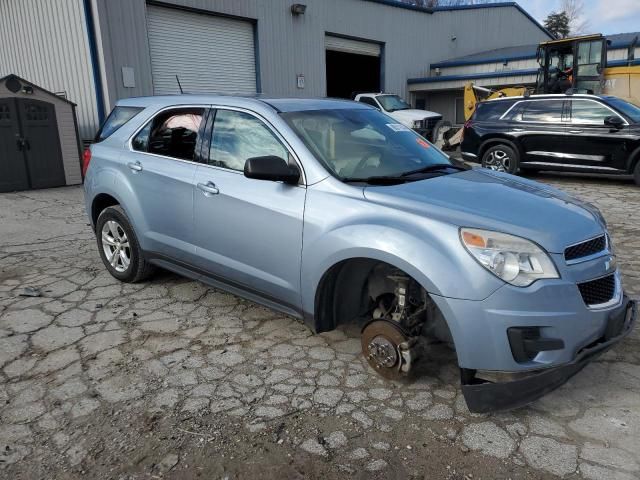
{"x": 172, "y": 379}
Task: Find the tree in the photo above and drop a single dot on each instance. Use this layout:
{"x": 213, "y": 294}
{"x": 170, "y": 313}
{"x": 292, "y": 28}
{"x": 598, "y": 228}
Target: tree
{"x": 558, "y": 24}
{"x": 578, "y": 25}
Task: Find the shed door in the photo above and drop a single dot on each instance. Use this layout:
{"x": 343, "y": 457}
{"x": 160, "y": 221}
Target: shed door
{"x": 208, "y": 53}
{"x": 42, "y": 143}
{"x": 13, "y": 170}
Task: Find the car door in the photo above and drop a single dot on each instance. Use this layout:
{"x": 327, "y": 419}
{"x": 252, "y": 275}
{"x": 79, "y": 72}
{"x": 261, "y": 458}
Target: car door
{"x": 161, "y": 167}
{"x": 248, "y": 231}
{"x": 540, "y": 126}
{"x": 595, "y": 145}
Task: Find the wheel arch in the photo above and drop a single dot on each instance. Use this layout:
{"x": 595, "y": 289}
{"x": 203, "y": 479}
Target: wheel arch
{"x": 634, "y": 159}
{"x": 100, "y": 202}
{"x": 498, "y": 140}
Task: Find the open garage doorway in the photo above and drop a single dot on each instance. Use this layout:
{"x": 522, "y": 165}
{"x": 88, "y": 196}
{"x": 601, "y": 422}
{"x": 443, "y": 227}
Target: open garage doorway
{"x": 352, "y": 66}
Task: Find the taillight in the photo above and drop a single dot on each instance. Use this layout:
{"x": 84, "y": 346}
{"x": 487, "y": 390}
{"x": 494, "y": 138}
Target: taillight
{"x": 86, "y": 160}
{"x": 467, "y": 124}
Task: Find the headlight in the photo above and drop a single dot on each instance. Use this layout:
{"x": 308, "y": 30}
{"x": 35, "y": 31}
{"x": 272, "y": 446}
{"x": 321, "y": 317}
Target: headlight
{"x": 515, "y": 260}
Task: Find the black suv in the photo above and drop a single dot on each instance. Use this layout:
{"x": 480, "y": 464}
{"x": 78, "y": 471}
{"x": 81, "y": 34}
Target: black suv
{"x": 573, "y": 133}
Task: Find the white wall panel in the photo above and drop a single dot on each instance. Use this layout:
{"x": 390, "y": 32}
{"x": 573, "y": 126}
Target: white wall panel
{"x": 46, "y": 43}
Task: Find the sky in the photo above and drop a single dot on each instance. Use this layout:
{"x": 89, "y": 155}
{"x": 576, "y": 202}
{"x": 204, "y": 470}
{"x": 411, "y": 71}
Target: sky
{"x": 604, "y": 16}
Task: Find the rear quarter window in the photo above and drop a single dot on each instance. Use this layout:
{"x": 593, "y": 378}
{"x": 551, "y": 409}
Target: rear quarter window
{"x": 116, "y": 119}
{"x": 489, "y": 111}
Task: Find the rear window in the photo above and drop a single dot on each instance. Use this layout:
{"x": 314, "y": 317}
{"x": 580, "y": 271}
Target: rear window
{"x": 486, "y": 111}
{"x": 117, "y": 118}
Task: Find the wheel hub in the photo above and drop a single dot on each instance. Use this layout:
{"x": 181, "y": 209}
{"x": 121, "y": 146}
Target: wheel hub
{"x": 115, "y": 245}
{"x": 386, "y": 348}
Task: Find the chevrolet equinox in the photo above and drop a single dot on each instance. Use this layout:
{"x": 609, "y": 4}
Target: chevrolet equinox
{"x": 333, "y": 212}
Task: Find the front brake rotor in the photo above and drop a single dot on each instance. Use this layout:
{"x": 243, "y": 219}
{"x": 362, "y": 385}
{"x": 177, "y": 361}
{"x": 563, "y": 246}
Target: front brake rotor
{"x": 381, "y": 340}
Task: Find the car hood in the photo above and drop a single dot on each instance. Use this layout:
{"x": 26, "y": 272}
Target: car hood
{"x": 407, "y": 117}
{"x": 481, "y": 198}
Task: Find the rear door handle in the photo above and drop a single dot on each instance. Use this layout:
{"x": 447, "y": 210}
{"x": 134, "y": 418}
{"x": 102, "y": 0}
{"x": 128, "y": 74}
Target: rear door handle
{"x": 136, "y": 167}
{"x": 208, "y": 188}
{"x": 575, "y": 131}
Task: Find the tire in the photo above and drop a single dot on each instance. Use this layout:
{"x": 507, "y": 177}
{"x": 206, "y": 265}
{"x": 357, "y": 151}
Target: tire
{"x": 501, "y": 158}
{"x": 636, "y": 173}
{"x": 114, "y": 232}
{"x": 437, "y": 134}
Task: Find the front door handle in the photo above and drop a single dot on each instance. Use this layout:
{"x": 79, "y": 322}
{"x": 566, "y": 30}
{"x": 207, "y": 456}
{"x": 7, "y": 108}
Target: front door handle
{"x": 575, "y": 131}
{"x": 136, "y": 167}
{"x": 208, "y": 188}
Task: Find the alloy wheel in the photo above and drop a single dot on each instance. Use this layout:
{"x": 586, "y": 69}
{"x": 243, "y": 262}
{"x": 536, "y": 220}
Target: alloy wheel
{"x": 115, "y": 245}
{"x": 498, "y": 160}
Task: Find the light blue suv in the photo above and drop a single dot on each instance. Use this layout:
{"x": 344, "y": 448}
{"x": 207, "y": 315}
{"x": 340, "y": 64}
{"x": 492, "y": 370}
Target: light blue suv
{"x": 333, "y": 212}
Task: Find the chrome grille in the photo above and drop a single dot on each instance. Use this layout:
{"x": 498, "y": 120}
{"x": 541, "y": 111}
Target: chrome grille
{"x": 598, "y": 291}
{"x": 431, "y": 122}
{"x": 584, "y": 249}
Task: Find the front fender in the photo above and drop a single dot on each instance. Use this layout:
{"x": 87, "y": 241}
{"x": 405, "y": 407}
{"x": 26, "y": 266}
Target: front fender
{"x": 438, "y": 262}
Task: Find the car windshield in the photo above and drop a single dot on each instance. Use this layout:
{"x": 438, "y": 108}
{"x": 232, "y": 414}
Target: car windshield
{"x": 629, "y": 109}
{"x": 358, "y": 144}
{"x": 391, "y": 103}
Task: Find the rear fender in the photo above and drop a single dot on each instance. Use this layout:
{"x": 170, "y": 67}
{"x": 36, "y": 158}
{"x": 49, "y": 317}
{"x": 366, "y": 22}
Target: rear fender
{"x": 111, "y": 181}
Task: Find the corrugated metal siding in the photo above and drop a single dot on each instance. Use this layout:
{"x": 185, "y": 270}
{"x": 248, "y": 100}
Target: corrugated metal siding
{"x": 221, "y": 48}
{"x": 291, "y": 45}
{"x": 45, "y": 42}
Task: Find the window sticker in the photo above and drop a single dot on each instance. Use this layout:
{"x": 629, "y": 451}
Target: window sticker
{"x": 423, "y": 143}
{"x": 398, "y": 127}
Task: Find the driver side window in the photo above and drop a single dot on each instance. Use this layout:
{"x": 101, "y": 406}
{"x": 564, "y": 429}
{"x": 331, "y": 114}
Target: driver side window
{"x": 238, "y": 136}
{"x": 369, "y": 101}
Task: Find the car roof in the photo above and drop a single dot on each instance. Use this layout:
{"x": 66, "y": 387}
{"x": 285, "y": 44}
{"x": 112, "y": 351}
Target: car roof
{"x": 258, "y": 101}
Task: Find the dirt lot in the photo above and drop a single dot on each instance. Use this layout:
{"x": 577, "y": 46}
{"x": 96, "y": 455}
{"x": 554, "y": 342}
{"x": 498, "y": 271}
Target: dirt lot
{"x": 171, "y": 379}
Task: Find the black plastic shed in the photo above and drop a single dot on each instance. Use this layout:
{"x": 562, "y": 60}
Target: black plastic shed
{"x": 39, "y": 142}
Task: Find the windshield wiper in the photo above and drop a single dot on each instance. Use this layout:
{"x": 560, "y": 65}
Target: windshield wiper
{"x": 377, "y": 180}
{"x": 433, "y": 168}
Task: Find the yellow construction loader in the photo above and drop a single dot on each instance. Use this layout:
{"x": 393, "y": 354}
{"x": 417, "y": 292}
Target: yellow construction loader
{"x": 560, "y": 72}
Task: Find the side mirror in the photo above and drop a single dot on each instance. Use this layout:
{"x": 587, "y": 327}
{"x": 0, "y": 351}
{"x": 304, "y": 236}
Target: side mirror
{"x": 271, "y": 168}
{"x": 614, "y": 121}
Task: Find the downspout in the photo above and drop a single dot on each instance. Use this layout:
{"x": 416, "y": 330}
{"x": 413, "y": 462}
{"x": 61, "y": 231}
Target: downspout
{"x": 95, "y": 62}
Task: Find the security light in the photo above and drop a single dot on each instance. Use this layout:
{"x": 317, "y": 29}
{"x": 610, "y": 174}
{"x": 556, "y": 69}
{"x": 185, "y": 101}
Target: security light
{"x": 298, "y": 9}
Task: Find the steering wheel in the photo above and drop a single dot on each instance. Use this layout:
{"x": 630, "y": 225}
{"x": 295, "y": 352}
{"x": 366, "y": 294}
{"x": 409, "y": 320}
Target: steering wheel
{"x": 363, "y": 161}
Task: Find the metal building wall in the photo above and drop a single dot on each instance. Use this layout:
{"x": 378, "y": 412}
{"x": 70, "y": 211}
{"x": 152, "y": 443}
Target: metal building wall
{"x": 290, "y": 45}
{"x": 45, "y": 42}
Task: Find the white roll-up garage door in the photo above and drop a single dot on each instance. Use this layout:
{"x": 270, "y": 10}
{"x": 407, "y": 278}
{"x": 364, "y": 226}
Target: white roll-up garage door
{"x": 208, "y": 53}
{"x": 348, "y": 45}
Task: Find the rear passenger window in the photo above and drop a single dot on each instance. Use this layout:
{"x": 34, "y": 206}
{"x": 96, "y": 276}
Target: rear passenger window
{"x": 117, "y": 118}
{"x": 548, "y": 111}
{"x": 172, "y": 133}
{"x": 238, "y": 136}
{"x": 486, "y": 111}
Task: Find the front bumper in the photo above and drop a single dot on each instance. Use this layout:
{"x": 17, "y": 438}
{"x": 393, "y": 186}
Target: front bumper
{"x": 525, "y": 387}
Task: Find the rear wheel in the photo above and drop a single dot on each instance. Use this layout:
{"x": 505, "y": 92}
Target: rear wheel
{"x": 118, "y": 246}
{"x": 501, "y": 158}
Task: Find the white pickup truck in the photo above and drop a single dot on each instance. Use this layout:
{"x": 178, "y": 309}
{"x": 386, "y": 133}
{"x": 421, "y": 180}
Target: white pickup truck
{"x": 428, "y": 124}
